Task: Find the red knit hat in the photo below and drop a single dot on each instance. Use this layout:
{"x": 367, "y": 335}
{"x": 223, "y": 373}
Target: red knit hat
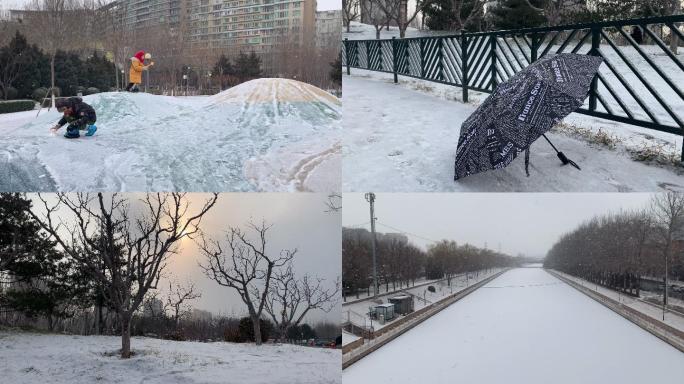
{"x": 140, "y": 55}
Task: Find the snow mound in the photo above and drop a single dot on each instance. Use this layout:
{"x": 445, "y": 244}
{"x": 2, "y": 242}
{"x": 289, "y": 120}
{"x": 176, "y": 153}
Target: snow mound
{"x": 148, "y": 143}
{"x": 268, "y": 90}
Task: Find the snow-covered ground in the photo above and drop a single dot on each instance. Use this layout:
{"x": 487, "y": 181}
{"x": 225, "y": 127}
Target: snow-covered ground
{"x": 38, "y": 358}
{"x": 348, "y": 337}
{"x": 403, "y": 137}
{"x": 359, "y": 31}
{"x": 422, "y": 297}
{"x": 263, "y": 135}
{"x": 382, "y": 289}
{"x": 651, "y": 310}
{"x": 525, "y": 326}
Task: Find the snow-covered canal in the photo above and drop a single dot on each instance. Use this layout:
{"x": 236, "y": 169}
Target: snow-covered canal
{"x": 524, "y": 327}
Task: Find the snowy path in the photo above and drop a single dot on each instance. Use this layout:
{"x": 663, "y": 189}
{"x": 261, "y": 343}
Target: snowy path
{"x": 263, "y": 135}
{"x": 36, "y": 358}
{"x": 526, "y": 326}
{"x": 400, "y": 139}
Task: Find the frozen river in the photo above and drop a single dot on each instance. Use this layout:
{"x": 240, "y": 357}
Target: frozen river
{"x": 528, "y": 327}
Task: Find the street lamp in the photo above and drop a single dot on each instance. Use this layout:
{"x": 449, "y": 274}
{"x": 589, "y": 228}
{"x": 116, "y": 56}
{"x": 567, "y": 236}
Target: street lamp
{"x": 370, "y": 197}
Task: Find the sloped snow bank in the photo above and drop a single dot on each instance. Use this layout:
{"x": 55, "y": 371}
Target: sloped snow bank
{"x": 147, "y": 142}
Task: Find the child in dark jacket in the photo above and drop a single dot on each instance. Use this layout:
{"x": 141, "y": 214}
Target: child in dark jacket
{"x": 78, "y": 114}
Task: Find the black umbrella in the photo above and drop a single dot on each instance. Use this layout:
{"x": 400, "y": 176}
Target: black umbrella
{"x": 521, "y": 110}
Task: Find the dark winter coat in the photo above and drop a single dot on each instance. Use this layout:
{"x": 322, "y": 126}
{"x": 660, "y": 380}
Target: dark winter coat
{"x": 81, "y": 113}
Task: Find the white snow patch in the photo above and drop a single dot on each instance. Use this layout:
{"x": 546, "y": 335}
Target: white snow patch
{"x": 62, "y": 359}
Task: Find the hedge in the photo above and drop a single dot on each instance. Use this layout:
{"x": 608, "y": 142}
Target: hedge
{"x": 17, "y": 106}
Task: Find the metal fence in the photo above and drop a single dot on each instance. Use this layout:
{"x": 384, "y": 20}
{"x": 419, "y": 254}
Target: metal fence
{"x": 640, "y": 82}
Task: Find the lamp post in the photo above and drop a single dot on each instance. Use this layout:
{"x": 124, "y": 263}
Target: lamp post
{"x": 370, "y": 197}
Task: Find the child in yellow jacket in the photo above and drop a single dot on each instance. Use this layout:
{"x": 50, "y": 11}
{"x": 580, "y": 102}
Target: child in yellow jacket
{"x": 137, "y": 67}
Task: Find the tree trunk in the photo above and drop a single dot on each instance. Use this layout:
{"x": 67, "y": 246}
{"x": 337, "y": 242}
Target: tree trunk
{"x": 125, "y": 337}
{"x": 257, "y": 329}
{"x": 52, "y": 78}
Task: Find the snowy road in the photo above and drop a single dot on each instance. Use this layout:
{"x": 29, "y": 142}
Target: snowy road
{"x": 400, "y": 139}
{"x": 528, "y": 327}
{"x": 263, "y": 135}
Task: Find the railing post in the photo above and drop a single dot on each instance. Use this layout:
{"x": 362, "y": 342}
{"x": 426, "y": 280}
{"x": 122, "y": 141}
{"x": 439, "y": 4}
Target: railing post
{"x": 440, "y": 65}
{"x": 464, "y": 65}
{"x": 492, "y": 64}
{"x": 394, "y": 58}
{"x": 534, "y": 52}
{"x": 422, "y": 58}
{"x": 346, "y": 51}
{"x": 595, "y": 44}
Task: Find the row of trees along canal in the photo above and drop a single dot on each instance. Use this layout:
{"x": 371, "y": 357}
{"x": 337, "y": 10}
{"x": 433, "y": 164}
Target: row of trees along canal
{"x": 77, "y": 259}
{"x": 400, "y": 263}
{"x": 617, "y": 249}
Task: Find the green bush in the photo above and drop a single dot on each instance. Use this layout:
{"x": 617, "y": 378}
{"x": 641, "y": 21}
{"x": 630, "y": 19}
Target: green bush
{"x": 11, "y": 93}
{"x": 247, "y": 329}
{"x": 91, "y": 91}
{"x": 39, "y": 94}
{"x": 16, "y": 106}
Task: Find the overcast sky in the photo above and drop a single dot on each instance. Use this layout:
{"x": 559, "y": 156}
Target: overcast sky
{"x": 322, "y": 5}
{"x": 524, "y": 223}
{"x": 299, "y": 221}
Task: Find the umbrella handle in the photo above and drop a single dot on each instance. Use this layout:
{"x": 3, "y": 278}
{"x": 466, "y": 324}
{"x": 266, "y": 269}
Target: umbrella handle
{"x": 564, "y": 159}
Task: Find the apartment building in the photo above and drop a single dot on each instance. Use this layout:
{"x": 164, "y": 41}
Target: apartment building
{"x": 328, "y": 28}
{"x": 251, "y": 25}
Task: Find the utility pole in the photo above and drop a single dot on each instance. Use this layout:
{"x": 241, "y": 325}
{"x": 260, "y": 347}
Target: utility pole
{"x": 370, "y": 197}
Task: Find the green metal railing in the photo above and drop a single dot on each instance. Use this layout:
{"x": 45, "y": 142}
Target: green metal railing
{"x": 640, "y": 82}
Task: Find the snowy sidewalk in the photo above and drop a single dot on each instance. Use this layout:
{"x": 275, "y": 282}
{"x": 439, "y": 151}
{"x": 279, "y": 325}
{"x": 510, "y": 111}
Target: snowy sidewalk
{"x": 403, "y": 138}
{"x": 653, "y": 311}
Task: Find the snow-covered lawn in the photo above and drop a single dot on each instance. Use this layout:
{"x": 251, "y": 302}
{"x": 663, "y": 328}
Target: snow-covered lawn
{"x": 263, "y": 135}
{"x": 403, "y": 138}
{"x": 525, "y": 326}
{"x": 38, "y": 358}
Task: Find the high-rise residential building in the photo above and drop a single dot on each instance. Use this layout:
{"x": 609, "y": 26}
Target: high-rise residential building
{"x": 253, "y": 25}
{"x": 328, "y": 28}
{"x": 249, "y": 25}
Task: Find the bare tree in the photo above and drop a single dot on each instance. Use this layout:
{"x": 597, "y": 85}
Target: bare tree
{"x": 57, "y": 25}
{"x": 123, "y": 249}
{"x": 246, "y": 266}
{"x": 350, "y": 12}
{"x": 667, "y": 210}
{"x": 289, "y": 299}
{"x": 667, "y": 8}
{"x": 398, "y": 10}
{"x": 176, "y": 301}
{"x": 377, "y": 13}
